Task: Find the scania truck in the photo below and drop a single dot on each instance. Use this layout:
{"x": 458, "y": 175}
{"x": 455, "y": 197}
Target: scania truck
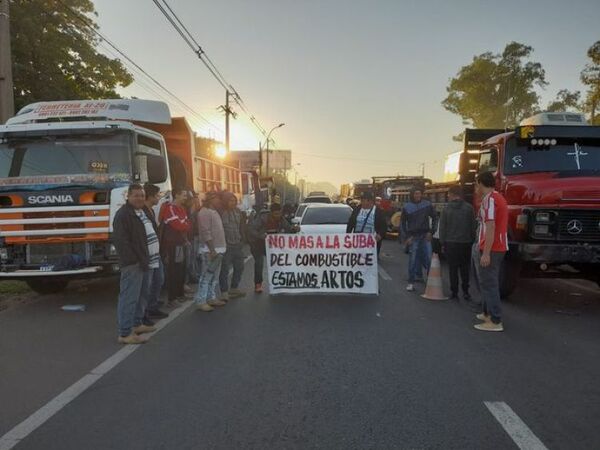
{"x": 64, "y": 171}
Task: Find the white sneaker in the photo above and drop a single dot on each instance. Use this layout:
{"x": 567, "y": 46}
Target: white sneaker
{"x": 410, "y": 287}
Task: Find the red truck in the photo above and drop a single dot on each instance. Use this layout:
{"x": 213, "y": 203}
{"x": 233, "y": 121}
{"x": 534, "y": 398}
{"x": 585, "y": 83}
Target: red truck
{"x": 548, "y": 169}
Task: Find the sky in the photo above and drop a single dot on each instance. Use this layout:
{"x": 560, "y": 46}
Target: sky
{"x": 358, "y": 84}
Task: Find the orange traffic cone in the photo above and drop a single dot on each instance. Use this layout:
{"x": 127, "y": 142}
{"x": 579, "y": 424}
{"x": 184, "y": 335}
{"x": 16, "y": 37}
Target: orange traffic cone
{"x": 434, "y": 291}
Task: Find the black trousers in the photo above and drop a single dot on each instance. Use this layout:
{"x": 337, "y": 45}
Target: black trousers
{"x": 459, "y": 260}
{"x": 259, "y": 262}
{"x": 175, "y": 275}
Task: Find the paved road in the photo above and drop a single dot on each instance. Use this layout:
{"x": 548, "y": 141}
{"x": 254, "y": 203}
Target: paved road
{"x": 314, "y": 372}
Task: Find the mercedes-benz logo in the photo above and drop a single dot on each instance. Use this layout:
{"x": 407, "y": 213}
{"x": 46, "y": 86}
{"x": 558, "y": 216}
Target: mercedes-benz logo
{"x": 574, "y": 227}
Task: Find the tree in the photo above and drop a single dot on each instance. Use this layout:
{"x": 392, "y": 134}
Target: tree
{"x": 564, "y": 101}
{"x": 496, "y": 90}
{"x": 590, "y": 76}
{"x": 54, "y": 53}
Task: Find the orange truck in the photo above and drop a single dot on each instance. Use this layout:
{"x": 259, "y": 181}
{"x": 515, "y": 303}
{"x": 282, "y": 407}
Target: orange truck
{"x": 64, "y": 171}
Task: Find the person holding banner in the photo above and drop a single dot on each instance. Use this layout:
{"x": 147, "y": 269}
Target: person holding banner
{"x": 265, "y": 222}
{"x": 368, "y": 219}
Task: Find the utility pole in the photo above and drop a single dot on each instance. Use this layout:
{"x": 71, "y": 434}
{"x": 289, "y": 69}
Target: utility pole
{"x": 228, "y": 112}
{"x": 7, "y": 101}
{"x": 423, "y": 170}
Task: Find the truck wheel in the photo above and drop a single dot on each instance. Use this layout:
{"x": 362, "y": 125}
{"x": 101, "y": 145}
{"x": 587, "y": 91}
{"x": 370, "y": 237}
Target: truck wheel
{"x": 509, "y": 276}
{"x": 45, "y": 287}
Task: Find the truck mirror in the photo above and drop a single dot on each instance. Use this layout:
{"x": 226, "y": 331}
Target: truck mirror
{"x": 157, "y": 169}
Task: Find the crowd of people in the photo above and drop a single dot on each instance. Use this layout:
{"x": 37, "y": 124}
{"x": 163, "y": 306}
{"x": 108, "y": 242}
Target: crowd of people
{"x": 192, "y": 243}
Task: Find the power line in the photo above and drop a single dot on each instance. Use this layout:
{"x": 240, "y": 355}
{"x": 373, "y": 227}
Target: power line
{"x": 347, "y": 158}
{"x": 138, "y": 67}
{"x": 189, "y": 39}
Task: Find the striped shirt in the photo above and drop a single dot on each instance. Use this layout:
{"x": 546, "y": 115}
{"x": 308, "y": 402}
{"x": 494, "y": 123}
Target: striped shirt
{"x": 151, "y": 239}
{"x": 494, "y": 209}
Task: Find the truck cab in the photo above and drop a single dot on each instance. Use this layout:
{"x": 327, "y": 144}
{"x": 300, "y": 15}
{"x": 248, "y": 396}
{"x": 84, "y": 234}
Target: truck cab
{"x": 548, "y": 169}
{"x": 64, "y": 172}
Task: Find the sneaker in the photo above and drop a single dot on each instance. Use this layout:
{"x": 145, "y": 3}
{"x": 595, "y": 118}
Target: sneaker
{"x": 489, "y": 326}
{"x": 147, "y": 321}
{"x": 132, "y": 339}
{"x": 410, "y": 287}
{"x": 204, "y": 307}
{"x": 157, "y": 314}
{"x": 258, "y": 288}
{"x": 483, "y": 317}
{"x": 224, "y": 297}
{"x": 188, "y": 289}
{"x": 236, "y": 293}
{"x": 454, "y": 297}
{"x": 216, "y": 303}
{"x": 141, "y": 329}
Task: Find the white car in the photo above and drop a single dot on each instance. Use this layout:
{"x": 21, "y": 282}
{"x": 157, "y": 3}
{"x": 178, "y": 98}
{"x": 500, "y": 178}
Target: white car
{"x": 298, "y": 214}
{"x": 325, "y": 218}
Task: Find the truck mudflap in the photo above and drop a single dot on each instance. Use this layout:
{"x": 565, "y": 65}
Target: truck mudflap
{"x": 560, "y": 253}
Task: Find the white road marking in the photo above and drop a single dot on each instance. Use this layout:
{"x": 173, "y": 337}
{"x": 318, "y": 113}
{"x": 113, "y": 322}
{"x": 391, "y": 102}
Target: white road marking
{"x": 383, "y": 274}
{"x": 42, "y": 415}
{"x": 514, "y": 426}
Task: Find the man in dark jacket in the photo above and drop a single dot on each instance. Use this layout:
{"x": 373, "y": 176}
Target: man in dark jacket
{"x": 457, "y": 234}
{"x": 136, "y": 241}
{"x": 265, "y": 222}
{"x": 368, "y": 219}
{"x": 418, "y": 223}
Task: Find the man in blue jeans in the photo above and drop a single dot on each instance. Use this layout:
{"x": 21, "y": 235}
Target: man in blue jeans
{"x": 136, "y": 241}
{"x": 418, "y": 223}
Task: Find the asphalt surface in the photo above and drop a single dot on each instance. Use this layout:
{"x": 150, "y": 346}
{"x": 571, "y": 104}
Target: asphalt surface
{"x": 346, "y": 372}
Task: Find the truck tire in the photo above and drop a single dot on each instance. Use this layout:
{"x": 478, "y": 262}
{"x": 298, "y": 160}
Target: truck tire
{"x": 509, "y": 277}
{"x": 46, "y": 287}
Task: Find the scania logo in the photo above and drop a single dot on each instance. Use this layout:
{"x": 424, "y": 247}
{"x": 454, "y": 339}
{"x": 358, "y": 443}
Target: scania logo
{"x": 49, "y": 199}
{"x": 574, "y": 227}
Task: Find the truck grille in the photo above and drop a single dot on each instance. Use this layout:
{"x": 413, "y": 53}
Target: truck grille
{"x": 579, "y": 225}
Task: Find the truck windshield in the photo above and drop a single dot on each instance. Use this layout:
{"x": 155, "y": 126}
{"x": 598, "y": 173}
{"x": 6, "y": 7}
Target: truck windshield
{"x": 87, "y": 156}
{"x": 570, "y": 156}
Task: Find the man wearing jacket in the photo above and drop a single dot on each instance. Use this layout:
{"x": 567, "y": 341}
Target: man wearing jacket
{"x": 457, "y": 234}
{"x": 368, "y": 219}
{"x": 136, "y": 241}
{"x": 234, "y": 223}
{"x": 175, "y": 227}
{"x": 418, "y": 223}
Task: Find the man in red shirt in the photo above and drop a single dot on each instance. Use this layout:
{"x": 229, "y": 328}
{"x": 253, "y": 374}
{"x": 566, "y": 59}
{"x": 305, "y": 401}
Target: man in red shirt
{"x": 493, "y": 244}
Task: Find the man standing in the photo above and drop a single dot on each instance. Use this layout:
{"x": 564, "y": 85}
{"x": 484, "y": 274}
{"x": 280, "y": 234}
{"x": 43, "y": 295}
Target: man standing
{"x": 233, "y": 224}
{"x": 156, "y": 276}
{"x": 136, "y": 242}
{"x": 493, "y": 245}
{"x": 368, "y": 219}
{"x": 266, "y": 222}
{"x": 174, "y": 239}
{"x": 457, "y": 234}
{"x": 418, "y": 223}
{"x": 212, "y": 249}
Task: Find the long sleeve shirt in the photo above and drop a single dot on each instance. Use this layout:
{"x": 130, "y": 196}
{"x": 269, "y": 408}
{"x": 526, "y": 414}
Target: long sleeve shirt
{"x": 210, "y": 229}
{"x": 418, "y": 219}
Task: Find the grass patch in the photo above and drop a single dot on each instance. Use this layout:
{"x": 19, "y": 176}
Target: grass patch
{"x": 13, "y": 287}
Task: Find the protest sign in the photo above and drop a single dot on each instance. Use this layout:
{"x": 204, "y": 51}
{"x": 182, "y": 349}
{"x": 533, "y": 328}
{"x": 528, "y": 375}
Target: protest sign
{"x": 322, "y": 263}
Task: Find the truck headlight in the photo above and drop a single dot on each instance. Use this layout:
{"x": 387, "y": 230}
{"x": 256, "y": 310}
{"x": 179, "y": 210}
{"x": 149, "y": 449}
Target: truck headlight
{"x": 112, "y": 250}
{"x": 541, "y": 229}
{"x": 542, "y": 217}
{"x": 522, "y": 222}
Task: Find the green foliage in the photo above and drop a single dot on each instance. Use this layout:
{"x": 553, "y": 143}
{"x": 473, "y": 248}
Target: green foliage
{"x": 565, "y": 100}
{"x": 54, "y": 53}
{"x": 590, "y": 76}
{"x": 496, "y": 90}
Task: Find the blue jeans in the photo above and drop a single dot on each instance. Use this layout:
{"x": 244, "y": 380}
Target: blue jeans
{"x": 489, "y": 284}
{"x": 419, "y": 258}
{"x": 131, "y": 305}
{"x": 234, "y": 256}
{"x": 153, "y": 286}
{"x": 207, "y": 285}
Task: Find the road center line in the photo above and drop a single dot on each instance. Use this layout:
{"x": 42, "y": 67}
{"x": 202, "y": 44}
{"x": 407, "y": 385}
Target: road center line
{"x": 42, "y": 415}
{"x": 514, "y": 426}
{"x": 383, "y": 274}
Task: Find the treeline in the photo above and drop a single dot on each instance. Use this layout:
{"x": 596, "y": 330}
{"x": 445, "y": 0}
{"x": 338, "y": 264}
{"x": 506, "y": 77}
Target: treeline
{"x": 499, "y": 90}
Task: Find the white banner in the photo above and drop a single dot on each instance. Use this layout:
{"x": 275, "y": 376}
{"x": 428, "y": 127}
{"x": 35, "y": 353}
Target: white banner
{"x": 322, "y": 263}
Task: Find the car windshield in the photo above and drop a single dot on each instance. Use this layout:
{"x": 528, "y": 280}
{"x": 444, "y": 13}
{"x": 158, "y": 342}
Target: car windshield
{"x": 568, "y": 155}
{"x": 319, "y": 199}
{"x": 326, "y": 216}
{"x": 54, "y": 155}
